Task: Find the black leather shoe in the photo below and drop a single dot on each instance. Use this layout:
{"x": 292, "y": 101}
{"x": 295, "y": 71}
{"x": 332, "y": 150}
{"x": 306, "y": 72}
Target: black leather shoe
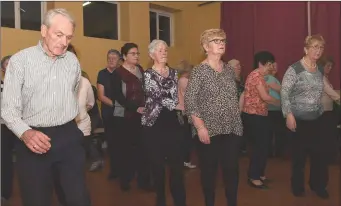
{"x": 262, "y": 186}
{"x": 322, "y": 193}
{"x": 112, "y": 176}
{"x": 147, "y": 187}
{"x": 125, "y": 187}
{"x": 298, "y": 193}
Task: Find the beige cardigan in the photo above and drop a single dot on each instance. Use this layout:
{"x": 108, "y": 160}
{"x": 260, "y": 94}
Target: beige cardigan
{"x": 86, "y": 101}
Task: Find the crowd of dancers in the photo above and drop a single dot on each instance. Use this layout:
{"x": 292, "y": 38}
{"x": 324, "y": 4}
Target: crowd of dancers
{"x": 152, "y": 117}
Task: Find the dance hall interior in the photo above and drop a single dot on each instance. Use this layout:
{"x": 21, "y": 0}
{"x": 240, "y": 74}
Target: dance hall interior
{"x": 170, "y": 103}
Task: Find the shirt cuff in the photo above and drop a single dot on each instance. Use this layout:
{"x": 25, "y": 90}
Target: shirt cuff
{"x": 286, "y": 111}
{"x": 19, "y": 129}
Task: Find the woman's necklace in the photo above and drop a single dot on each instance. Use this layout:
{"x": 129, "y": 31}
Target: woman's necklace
{"x": 309, "y": 66}
{"x": 163, "y": 71}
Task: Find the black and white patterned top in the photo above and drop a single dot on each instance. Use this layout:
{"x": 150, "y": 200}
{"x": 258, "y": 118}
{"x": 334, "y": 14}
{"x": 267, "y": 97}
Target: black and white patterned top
{"x": 40, "y": 91}
{"x": 160, "y": 92}
{"x": 301, "y": 92}
{"x": 213, "y": 97}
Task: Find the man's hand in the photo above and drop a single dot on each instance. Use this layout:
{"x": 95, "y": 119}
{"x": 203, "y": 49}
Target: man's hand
{"x": 36, "y": 141}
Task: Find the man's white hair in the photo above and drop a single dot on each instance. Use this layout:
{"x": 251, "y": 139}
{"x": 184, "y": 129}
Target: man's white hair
{"x": 53, "y": 12}
{"x": 233, "y": 62}
{"x": 154, "y": 44}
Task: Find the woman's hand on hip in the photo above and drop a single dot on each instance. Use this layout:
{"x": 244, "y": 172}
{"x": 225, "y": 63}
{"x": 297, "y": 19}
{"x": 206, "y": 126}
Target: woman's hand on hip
{"x": 203, "y": 135}
{"x": 141, "y": 110}
{"x": 291, "y": 122}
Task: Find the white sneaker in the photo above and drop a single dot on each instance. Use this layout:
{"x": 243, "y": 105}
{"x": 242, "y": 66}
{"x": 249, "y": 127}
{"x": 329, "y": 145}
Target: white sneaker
{"x": 104, "y": 145}
{"x": 189, "y": 165}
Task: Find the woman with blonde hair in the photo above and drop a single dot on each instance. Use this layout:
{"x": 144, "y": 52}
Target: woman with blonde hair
{"x": 211, "y": 103}
{"x": 301, "y": 93}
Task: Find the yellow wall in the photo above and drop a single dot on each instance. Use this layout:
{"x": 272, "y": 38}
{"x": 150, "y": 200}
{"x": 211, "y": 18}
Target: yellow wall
{"x": 189, "y": 21}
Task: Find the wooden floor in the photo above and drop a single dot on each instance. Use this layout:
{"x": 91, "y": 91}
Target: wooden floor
{"x": 107, "y": 193}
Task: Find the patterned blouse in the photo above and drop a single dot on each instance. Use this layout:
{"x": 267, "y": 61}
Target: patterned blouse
{"x": 160, "y": 92}
{"x": 212, "y": 97}
{"x": 253, "y": 103}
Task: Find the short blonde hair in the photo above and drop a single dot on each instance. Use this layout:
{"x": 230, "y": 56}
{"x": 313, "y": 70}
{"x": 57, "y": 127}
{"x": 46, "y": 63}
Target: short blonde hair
{"x": 309, "y": 40}
{"x": 209, "y": 34}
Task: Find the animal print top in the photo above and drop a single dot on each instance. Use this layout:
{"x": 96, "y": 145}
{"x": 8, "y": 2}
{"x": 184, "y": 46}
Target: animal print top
{"x": 212, "y": 97}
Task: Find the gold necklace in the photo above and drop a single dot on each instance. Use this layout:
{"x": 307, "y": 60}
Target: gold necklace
{"x": 309, "y": 66}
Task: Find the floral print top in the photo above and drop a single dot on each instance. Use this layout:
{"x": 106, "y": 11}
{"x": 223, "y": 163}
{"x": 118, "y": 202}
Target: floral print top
{"x": 253, "y": 103}
{"x": 161, "y": 92}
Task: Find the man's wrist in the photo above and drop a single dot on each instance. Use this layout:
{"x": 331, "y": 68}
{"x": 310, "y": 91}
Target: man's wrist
{"x": 24, "y": 136}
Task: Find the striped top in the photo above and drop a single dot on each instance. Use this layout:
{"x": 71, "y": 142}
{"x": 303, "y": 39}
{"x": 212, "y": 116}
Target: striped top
{"x": 40, "y": 91}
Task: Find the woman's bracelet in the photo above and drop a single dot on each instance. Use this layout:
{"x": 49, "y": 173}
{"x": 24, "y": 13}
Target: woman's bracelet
{"x": 200, "y": 127}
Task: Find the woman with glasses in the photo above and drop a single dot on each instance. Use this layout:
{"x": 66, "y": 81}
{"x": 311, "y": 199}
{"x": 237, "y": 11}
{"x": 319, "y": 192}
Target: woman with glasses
{"x": 255, "y": 112}
{"x": 128, "y": 97}
{"x": 211, "y": 103}
{"x": 301, "y": 93}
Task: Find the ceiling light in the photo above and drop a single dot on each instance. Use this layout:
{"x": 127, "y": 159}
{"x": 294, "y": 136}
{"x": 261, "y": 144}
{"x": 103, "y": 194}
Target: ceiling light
{"x": 86, "y": 3}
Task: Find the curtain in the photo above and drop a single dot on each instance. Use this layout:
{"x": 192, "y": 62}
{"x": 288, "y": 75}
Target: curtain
{"x": 279, "y": 27}
{"x": 326, "y": 20}
{"x": 238, "y": 24}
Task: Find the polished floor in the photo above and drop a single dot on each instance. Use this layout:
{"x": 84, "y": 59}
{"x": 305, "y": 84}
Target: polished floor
{"x": 107, "y": 193}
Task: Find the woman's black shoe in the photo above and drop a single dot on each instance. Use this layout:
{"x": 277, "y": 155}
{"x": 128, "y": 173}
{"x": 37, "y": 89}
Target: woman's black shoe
{"x": 266, "y": 180}
{"x": 125, "y": 187}
{"x": 262, "y": 186}
{"x": 298, "y": 193}
{"x": 322, "y": 193}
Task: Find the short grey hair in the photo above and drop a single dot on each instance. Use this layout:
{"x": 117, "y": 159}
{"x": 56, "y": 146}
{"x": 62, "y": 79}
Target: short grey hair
{"x": 53, "y": 12}
{"x": 154, "y": 44}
